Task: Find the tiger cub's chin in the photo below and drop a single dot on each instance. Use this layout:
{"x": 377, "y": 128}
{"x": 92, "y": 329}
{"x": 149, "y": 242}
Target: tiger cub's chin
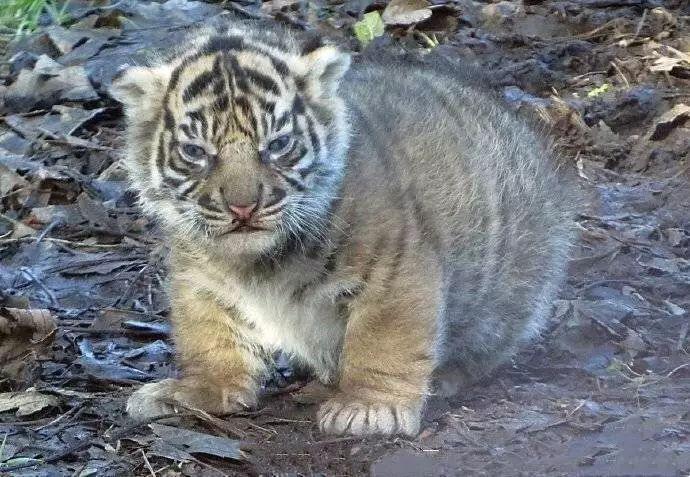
{"x": 378, "y": 222}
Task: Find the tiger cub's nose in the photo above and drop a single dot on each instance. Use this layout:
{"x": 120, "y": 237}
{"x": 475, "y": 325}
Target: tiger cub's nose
{"x": 243, "y": 212}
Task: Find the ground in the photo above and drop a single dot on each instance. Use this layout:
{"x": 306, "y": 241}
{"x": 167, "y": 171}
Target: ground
{"x": 83, "y": 315}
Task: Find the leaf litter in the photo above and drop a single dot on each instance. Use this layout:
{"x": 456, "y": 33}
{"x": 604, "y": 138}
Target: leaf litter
{"x": 82, "y": 272}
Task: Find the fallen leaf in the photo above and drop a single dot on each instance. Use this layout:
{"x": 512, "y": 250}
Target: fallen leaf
{"x": 193, "y": 442}
{"x": 13, "y": 229}
{"x": 15, "y": 320}
{"x": 671, "y": 59}
{"x": 26, "y": 402}
{"x": 61, "y": 125}
{"x": 23, "y": 332}
{"x": 669, "y": 121}
{"x": 10, "y": 180}
{"x": 47, "y": 84}
{"x": 63, "y": 39}
{"x": 406, "y": 12}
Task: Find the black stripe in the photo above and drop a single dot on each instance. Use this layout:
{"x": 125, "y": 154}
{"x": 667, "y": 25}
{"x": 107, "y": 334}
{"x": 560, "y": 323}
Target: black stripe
{"x": 261, "y": 80}
{"x": 219, "y": 88}
{"x": 244, "y": 130}
{"x": 282, "y": 120}
{"x": 226, "y": 44}
{"x": 264, "y": 124}
{"x": 221, "y": 103}
{"x": 215, "y": 120}
{"x": 171, "y": 181}
{"x": 160, "y": 160}
{"x": 293, "y": 182}
{"x": 189, "y": 189}
{"x": 309, "y": 169}
{"x": 217, "y": 68}
{"x": 280, "y": 66}
{"x": 289, "y": 159}
{"x": 198, "y": 85}
{"x": 332, "y": 260}
{"x": 172, "y": 165}
{"x": 168, "y": 119}
{"x": 218, "y": 44}
{"x": 374, "y": 258}
{"x": 238, "y": 76}
{"x": 298, "y": 105}
{"x": 171, "y": 156}
{"x": 199, "y": 116}
{"x": 205, "y": 202}
{"x": 315, "y": 145}
{"x": 426, "y": 228}
{"x": 186, "y": 130}
{"x": 243, "y": 104}
{"x": 400, "y": 248}
{"x": 312, "y": 44}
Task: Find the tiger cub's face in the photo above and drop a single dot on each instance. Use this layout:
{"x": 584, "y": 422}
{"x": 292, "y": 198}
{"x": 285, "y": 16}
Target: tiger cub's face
{"x": 238, "y": 140}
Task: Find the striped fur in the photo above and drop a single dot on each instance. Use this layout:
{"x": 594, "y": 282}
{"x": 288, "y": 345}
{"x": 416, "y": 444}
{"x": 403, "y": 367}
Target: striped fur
{"x": 407, "y": 223}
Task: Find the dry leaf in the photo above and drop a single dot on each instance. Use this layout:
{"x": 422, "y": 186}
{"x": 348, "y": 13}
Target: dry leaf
{"x": 672, "y": 59}
{"x": 26, "y": 402}
{"x": 23, "y": 333}
{"x": 406, "y": 12}
{"x": 15, "y": 320}
{"x": 670, "y": 120}
{"x": 192, "y": 442}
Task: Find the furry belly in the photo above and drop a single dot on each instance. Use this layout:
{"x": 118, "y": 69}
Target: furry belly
{"x": 309, "y": 331}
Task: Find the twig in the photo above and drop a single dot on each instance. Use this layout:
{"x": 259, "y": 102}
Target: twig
{"x": 130, "y": 287}
{"x": 73, "y": 413}
{"x": 147, "y": 463}
{"x": 681, "y": 337}
{"x": 335, "y": 441}
{"x": 115, "y": 436}
{"x": 33, "y": 278}
{"x": 617, "y": 68}
{"x": 62, "y": 241}
{"x": 677, "y": 368}
{"x": 641, "y": 23}
{"x": 117, "y": 332}
{"x": 612, "y": 3}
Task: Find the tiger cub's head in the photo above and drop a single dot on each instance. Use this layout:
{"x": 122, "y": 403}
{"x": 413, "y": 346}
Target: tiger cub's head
{"x": 239, "y": 138}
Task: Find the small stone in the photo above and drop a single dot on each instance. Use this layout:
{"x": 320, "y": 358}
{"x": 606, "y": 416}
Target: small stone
{"x": 498, "y": 13}
{"x": 20, "y": 61}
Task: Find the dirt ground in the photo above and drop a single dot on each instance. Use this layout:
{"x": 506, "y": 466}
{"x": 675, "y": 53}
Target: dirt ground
{"x": 606, "y": 392}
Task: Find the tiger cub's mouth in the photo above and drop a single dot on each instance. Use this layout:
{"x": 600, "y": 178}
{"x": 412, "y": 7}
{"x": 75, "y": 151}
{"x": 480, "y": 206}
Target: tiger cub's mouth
{"x": 242, "y": 229}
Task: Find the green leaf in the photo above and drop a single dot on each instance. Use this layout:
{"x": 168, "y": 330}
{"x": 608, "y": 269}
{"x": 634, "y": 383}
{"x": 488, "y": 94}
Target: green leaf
{"x": 368, "y": 28}
{"x": 599, "y": 90}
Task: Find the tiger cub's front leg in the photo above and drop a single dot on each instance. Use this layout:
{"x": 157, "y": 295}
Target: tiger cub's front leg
{"x": 388, "y": 356}
{"x": 219, "y": 360}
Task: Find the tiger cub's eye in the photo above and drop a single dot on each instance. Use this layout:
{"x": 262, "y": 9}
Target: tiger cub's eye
{"x": 279, "y": 144}
{"x": 193, "y": 151}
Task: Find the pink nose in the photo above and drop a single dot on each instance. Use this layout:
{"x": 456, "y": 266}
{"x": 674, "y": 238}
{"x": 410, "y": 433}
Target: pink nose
{"x": 243, "y": 212}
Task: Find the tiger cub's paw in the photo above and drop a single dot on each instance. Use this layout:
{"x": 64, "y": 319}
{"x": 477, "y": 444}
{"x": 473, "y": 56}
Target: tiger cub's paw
{"x": 349, "y": 415}
{"x": 174, "y": 395}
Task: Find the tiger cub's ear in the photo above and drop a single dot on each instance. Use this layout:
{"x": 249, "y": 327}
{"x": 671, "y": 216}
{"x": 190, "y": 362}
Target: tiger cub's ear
{"x": 321, "y": 71}
{"x": 136, "y": 86}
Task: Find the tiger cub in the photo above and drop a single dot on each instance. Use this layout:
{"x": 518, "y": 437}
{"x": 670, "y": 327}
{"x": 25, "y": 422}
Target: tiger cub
{"x": 378, "y": 221}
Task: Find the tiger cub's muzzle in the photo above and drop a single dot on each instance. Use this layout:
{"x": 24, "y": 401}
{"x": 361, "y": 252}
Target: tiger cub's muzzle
{"x": 230, "y": 215}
